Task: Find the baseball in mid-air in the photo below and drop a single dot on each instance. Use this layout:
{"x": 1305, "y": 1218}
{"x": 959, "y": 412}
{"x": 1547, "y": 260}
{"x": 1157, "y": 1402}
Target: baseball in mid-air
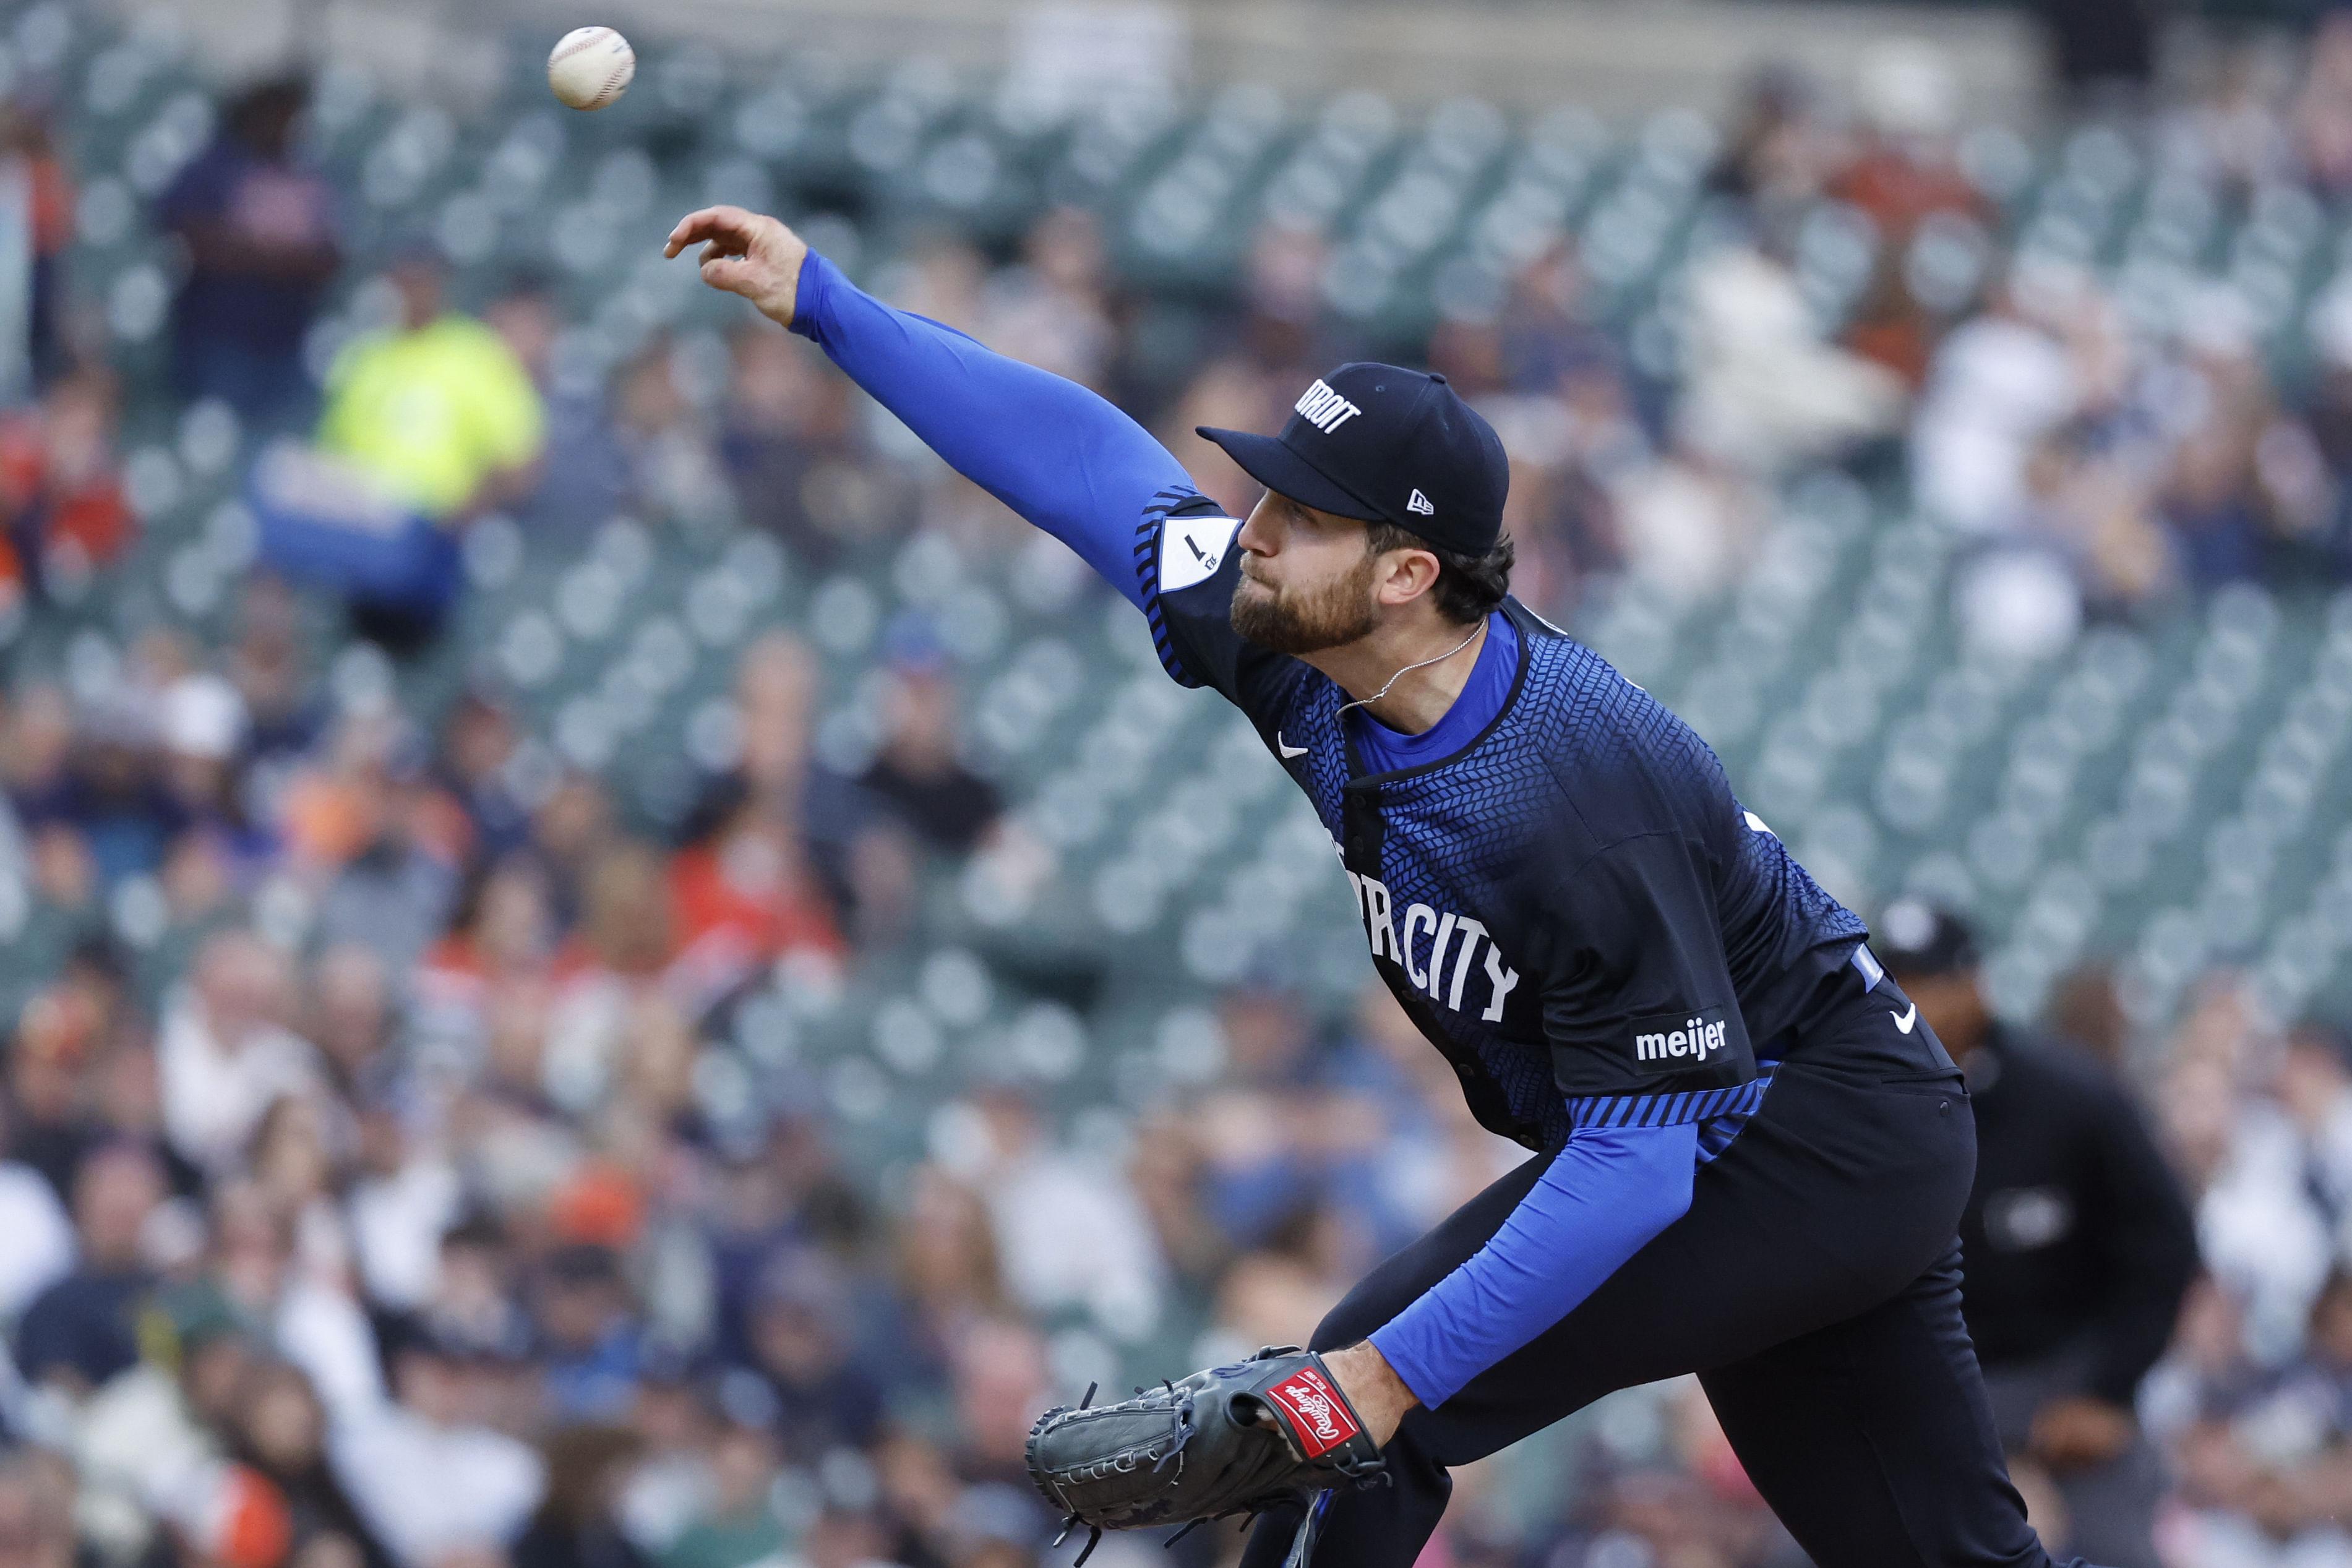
{"x": 590, "y": 66}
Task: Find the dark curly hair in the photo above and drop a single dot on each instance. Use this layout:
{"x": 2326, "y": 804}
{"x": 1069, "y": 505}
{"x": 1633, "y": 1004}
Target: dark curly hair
{"x": 1468, "y": 586}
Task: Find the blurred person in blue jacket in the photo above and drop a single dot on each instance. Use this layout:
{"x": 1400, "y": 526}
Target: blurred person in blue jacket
{"x": 260, "y": 230}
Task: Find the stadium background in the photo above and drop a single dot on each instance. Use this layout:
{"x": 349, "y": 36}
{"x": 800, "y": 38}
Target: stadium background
{"x": 780, "y": 987}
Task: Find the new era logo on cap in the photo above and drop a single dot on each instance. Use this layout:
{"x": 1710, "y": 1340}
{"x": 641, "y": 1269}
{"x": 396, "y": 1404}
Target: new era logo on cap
{"x": 1420, "y": 503}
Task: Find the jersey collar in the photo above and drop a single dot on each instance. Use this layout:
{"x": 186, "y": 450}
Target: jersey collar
{"x": 1529, "y": 625}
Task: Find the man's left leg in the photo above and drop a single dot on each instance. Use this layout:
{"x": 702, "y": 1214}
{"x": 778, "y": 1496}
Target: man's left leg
{"x": 1836, "y": 1196}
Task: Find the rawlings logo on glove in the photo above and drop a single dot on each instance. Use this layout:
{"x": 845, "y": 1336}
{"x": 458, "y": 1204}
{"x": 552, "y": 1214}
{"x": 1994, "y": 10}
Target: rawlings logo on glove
{"x": 1274, "y": 1428}
{"x": 1319, "y": 1417}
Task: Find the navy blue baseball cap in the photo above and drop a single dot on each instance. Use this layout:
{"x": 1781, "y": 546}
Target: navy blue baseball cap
{"x": 1386, "y": 445}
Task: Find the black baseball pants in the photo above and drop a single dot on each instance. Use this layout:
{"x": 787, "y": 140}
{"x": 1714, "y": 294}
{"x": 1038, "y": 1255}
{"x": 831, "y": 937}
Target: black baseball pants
{"x": 1814, "y": 1288}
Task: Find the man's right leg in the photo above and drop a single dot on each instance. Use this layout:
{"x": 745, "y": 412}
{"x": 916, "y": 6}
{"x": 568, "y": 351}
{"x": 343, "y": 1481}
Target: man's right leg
{"x": 1873, "y": 1440}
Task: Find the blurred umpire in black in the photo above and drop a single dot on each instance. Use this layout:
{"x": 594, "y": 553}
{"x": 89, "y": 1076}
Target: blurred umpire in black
{"x": 2076, "y": 1245}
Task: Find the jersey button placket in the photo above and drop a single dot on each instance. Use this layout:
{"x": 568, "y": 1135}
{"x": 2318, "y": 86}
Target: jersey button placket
{"x": 1361, "y": 823}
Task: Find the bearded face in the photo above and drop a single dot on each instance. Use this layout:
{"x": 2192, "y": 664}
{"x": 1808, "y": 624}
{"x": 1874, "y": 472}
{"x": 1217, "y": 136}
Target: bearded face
{"x": 1306, "y": 620}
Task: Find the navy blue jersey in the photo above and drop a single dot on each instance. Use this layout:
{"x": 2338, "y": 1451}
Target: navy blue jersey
{"x": 1574, "y": 907}
{"x": 1556, "y": 883}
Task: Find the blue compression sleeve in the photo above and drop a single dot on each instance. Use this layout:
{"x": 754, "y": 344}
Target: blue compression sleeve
{"x": 1054, "y": 451}
{"x": 1603, "y": 1197}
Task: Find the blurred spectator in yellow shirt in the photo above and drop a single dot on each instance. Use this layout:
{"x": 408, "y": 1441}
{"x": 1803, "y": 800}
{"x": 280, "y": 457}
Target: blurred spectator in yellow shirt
{"x": 429, "y": 424}
{"x": 438, "y": 410}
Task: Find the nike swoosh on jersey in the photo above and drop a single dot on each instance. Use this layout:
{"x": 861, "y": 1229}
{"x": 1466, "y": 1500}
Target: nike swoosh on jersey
{"x": 1287, "y": 751}
{"x": 1907, "y": 1019}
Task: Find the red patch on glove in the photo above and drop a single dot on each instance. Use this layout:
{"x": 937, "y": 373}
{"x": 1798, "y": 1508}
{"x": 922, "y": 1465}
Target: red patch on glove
{"x": 1318, "y": 1417}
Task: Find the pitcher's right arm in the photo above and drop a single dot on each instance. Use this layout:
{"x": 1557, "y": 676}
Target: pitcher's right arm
{"x": 1059, "y": 455}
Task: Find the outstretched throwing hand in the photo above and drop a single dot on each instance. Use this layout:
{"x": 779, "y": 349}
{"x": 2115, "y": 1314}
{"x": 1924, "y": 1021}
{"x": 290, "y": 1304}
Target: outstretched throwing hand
{"x": 745, "y": 253}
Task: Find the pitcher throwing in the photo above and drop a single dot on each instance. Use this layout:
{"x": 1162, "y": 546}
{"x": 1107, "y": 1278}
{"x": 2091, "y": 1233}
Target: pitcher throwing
{"x": 1748, "y": 1154}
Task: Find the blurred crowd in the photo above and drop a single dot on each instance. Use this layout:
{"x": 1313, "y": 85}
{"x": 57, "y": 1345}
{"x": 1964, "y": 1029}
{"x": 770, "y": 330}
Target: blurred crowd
{"x": 367, "y": 1200}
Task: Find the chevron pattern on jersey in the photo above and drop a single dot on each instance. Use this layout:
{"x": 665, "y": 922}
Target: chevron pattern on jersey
{"x": 1463, "y": 848}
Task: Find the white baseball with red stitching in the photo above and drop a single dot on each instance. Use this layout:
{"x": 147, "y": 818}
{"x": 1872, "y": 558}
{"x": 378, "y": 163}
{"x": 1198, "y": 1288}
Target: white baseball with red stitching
{"x": 590, "y": 66}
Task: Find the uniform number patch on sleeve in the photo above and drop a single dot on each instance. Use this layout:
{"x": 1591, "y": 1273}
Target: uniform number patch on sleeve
{"x": 1191, "y": 549}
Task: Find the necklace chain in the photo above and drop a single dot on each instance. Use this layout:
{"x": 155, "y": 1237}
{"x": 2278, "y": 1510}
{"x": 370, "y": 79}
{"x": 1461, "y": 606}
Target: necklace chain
{"x": 1366, "y": 702}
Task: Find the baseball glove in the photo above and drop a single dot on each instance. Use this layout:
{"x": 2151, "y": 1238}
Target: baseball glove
{"x": 1188, "y": 1452}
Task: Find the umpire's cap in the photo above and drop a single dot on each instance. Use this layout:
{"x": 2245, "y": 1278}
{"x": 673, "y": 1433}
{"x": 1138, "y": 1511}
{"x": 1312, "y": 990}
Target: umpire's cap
{"x": 1913, "y": 936}
{"x": 1388, "y": 444}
